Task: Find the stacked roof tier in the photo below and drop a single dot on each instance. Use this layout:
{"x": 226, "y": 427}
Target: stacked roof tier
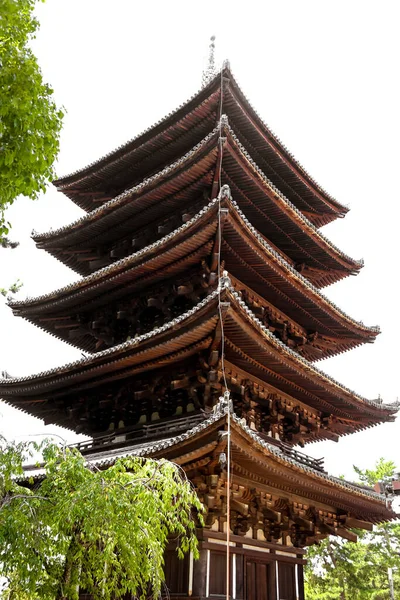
{"x": 181, "y": 130}
{"x": 142, "y": 213}
{"x": 98, "y": 310}
{"x": 267, "y": 466}
{"x": 88, "y": 393}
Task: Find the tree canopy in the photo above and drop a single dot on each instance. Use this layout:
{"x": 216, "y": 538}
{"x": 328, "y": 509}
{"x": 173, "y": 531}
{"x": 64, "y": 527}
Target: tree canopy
{"x": 30, "y": 121}
{"x": 85, "y": 529}
{"x": 339, "y": 570}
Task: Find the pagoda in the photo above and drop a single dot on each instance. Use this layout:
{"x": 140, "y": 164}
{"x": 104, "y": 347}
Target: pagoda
{"x": 200, "y": 309}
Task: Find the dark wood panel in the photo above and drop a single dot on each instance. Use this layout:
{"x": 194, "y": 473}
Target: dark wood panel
{"x": 250, "y": 579}
{"x": 176, "y": 573}
{"x": 200, "y": 574}
{"x": 287, "y": 581}
{"x": 257, "y": 580}
{"x": 300, "y": 579}
{"x": 240, "y": 577}
{"x": 217, "y": 574}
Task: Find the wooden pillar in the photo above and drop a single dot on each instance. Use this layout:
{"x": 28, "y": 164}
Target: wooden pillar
{"x": 300, "y": 580}
{"x": 200, "y": 567}
{"x": 272, "y": 581}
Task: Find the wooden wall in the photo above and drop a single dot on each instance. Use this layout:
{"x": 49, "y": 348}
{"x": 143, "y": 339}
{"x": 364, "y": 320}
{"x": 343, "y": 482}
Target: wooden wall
{"x": 259, "y": 571}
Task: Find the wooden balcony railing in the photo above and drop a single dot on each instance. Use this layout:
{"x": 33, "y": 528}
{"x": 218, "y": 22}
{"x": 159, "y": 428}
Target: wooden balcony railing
{"x": 139, "y": 434}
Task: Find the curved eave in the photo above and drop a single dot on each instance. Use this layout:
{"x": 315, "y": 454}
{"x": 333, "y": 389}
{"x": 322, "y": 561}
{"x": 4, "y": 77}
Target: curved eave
{"x": 255, "y": 454}
{"x": 298, "y": 238}
{"x": 264, "y": 267}
{"x": 258, "y": 265}
{"x": 251, "y": 342}
{"x": 324, "y": 202}
{"x": 165, "y": 259}
{"x": 174, "y": 134}
{"x": 179, "y": 185}
{"x": 171, "y": 135}
{"x": 264, "y": 464}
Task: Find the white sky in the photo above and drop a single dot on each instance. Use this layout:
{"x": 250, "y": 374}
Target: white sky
{"x": 323, "y": 75}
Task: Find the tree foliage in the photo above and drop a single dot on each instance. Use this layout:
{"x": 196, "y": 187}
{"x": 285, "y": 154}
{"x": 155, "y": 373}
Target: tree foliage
{"x": 383, "y": 472}
{"x": 84, "y": 529}
{"x": 30, "y": 121}
{"x": 12, "y": 289}
{"x": 339, "y": 570}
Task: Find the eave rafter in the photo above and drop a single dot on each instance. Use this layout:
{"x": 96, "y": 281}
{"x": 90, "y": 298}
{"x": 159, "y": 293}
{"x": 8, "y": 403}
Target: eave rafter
{"x": 288, "y": 500}
{"x": 270, "y": 490}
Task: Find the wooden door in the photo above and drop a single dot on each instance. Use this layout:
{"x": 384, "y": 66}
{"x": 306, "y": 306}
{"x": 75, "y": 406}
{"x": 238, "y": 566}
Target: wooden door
{"x": 257, "y": 580}
{"x": 287, "y": 581}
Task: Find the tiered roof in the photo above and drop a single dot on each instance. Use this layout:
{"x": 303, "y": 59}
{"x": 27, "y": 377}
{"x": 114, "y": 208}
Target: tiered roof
{"x": 200, "y": 238}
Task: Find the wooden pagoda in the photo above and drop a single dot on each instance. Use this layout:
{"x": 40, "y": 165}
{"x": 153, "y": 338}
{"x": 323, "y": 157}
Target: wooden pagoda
{"x": 202, "y": 262}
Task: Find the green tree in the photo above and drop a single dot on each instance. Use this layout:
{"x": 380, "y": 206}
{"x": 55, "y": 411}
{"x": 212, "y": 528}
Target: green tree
{"x": 84, "y": 529}
{"x": 338, "y": 570}
{"x": 383, "y": 472}
{"x": 30, "y": 121}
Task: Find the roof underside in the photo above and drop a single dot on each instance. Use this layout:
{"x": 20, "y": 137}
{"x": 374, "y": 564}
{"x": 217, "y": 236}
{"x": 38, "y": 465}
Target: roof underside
{"x": 177, "y": 133}
{"x": 270, "y": 468}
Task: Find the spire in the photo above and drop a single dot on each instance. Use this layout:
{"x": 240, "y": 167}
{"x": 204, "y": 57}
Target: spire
{"x": 210, "y": 71}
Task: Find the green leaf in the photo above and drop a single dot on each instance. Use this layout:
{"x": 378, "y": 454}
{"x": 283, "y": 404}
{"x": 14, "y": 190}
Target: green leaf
{"x": 30, "y": 121}
{"x": 104, "y": 532}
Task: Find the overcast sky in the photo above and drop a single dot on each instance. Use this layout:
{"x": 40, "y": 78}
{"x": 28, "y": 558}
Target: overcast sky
{"x": 323, "y": 75}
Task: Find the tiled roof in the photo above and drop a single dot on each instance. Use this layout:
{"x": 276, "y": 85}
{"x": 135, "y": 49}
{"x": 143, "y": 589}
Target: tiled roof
{"x": 118, "y": 157}
{"x": 289, "y": 154}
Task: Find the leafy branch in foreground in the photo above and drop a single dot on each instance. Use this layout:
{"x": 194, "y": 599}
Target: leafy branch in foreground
{"x": 5, "y": 242}
{"x": 12, "y": 289}
{"x": 103, "y": 532}
{"x": 30, "y": 121}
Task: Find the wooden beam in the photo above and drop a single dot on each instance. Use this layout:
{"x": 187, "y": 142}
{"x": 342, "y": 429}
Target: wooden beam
{"x": 67, "y": 325}
{"x": 330, "y": 435}
{"x": 49, "y": 319}
{"x": 358, "y": 524}
{"x": 346, "y": 534}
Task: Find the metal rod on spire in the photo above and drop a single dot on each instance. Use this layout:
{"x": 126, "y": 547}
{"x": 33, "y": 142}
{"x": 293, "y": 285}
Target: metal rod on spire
{"x": 210, "y": 71}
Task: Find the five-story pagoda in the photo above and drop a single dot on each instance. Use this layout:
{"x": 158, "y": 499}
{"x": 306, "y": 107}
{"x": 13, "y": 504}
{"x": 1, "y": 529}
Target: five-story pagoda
{"x": 202, "y": 263}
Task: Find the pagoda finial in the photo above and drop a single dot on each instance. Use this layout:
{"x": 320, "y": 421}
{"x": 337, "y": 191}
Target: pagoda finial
{"x": 210, "y": 71}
